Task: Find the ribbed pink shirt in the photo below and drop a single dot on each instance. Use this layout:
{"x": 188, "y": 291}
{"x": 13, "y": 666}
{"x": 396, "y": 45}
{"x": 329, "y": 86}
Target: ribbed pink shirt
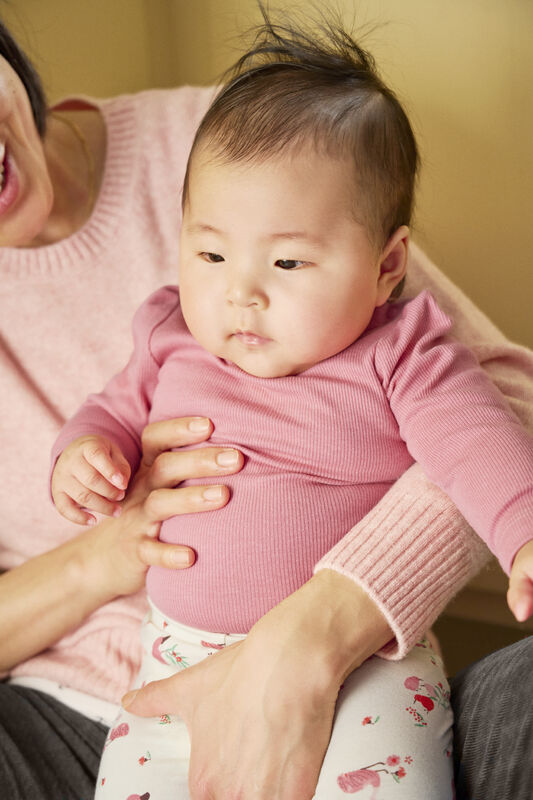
{"x": 321, "y": 449}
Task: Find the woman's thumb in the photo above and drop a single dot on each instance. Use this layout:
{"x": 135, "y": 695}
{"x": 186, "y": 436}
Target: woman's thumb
{"x": 154, "y": 699}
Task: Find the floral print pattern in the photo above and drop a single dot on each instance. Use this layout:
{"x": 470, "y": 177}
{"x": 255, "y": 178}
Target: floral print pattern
{"x": 168, "y": 655}
{"x": 426, "y": 697}
{"x": 367, "y": 757}
{"x": 351, "y": 782}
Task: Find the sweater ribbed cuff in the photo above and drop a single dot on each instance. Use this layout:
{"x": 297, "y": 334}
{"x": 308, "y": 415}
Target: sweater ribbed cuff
{"x": 411, "y": 554}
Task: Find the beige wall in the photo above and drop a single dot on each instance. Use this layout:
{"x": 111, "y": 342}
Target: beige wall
{"x": 98, "y": 47}
{"x": 464, "y": 69}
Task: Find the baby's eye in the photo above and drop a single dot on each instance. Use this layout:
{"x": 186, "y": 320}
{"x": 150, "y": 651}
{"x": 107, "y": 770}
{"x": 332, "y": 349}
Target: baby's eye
{"x": 213, "y": 258}
{"x": 288, "y": 263}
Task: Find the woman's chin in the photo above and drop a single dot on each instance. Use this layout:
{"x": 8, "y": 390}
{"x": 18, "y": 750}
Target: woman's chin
{"x": 28, "y": 227}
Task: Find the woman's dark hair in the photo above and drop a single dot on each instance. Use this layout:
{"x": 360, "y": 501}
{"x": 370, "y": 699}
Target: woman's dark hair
{"x": 12, "y": 53}
{"x": 295, "y": 87}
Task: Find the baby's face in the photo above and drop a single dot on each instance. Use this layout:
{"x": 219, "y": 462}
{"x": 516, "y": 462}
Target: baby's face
{"x": 275, "y": 273}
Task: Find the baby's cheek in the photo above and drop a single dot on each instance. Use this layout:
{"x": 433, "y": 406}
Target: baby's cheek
{"x": 315, "y": 330}
{"x": 311, "y": 315}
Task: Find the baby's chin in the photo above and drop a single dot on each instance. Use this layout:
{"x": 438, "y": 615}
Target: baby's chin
{"x": 259, "y": 366}
{"x": 261, "y": 370}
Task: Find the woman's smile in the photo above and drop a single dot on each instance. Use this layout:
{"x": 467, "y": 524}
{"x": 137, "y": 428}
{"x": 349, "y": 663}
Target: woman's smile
{"x": 2, "y": 157}
{"x": 9, "y": 184}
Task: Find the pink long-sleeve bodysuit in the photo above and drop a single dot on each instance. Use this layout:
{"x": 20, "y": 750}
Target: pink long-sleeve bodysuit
{"x": 321, "y": 448}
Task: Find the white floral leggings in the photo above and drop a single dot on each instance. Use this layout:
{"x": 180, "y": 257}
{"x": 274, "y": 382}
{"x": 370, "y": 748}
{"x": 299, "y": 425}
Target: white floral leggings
{"x": 391, "y": 739}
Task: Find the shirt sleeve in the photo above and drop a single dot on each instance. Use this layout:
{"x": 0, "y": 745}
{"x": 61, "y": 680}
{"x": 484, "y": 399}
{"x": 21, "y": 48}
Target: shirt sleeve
{"x": 459, "y": 427}
{"x": 120, "y": 412}
{"x": 431, "y": 552}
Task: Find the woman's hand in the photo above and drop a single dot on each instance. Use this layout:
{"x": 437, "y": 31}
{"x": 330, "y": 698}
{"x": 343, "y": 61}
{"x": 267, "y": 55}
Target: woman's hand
{"x": 259, "y": 713}
{"x": 53, "y": 593}
{"x": 124, "y": 548}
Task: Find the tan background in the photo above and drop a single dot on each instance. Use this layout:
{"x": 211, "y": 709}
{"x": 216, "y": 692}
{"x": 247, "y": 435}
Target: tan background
{"x": 463, "y": 68}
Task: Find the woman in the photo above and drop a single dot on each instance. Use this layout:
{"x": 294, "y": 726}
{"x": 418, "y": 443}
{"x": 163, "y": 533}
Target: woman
{"x": 89, "y": 204}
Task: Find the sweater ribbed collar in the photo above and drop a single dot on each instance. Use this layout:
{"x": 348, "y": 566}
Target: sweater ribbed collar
{"x": 78, "y": 252}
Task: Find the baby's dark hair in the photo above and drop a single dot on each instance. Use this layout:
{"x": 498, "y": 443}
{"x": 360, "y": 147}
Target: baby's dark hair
{"x": 295, "y": 87}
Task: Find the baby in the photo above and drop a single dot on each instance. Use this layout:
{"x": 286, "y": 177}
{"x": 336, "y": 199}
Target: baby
{"x": 296, "y": 207}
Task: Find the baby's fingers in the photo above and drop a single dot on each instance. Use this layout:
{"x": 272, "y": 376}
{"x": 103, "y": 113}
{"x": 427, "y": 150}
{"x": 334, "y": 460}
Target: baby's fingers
{"x": 96, "y": 484}
{"x": 96, "y": 487}
{"x": 109, "y": 462}
{"x": 90, "y": 497}
{"x": 520, "y": 593}
{"x": 520, "y": 596}
{"x": 71, "y": 510}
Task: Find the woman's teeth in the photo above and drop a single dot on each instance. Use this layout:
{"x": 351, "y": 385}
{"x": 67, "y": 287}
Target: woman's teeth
{"x": 2, "y": 157}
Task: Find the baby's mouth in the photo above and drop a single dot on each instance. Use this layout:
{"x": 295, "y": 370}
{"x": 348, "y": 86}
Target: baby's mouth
{"x": 251, "y": 339}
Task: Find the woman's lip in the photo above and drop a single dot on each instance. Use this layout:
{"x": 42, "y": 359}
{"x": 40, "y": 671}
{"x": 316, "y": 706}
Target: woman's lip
{"x": 251, "y": 339}
{"x": 10, "y": 188}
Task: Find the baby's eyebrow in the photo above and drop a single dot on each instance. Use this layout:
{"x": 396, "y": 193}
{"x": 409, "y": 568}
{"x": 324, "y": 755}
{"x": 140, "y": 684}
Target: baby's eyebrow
{"x": 301, "y": 235}
{"x": 202, "y": 227}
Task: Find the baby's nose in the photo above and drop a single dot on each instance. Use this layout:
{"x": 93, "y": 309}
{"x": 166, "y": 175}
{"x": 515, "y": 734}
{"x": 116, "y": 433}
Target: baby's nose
{"x": 244, "y": 291}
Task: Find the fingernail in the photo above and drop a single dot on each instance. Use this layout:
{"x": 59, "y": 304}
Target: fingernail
{"x": 91, "y": 522}
{"x": 128, "y": 698}
{"x": 199, "y": 425}
{"x": 212, "y": 493}
{"x": 181, "y": 558}
{"x": 118, "y": 480}
{"x": 117, "y": 512}
{"x": 228, "y": 458}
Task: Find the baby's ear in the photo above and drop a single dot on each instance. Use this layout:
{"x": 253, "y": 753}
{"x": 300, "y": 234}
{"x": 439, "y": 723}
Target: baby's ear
{"x": 392, "y": 263}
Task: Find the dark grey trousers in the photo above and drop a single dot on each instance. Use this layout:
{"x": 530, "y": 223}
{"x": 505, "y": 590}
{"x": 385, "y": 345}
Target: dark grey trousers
{"x": 493, "y": 731}
{"x": 49, "y": 752}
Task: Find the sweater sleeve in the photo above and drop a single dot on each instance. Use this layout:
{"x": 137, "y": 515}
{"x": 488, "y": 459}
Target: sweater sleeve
{"x": 120, "y": 412}
{"x": 431, "y": 551}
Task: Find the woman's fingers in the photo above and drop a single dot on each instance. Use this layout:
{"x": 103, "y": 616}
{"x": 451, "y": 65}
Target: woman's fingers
{"x": 155, "y": 695}
{"x": 170, "y": 468}
{"x": 160, "y": 436}
{"x": 164, "y": 503}
{"x": 172, "y": 556}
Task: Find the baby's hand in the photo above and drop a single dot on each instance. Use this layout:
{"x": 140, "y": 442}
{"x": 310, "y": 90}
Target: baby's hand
{"x": 91, "y": 473}
{"x": 520, "y": 592}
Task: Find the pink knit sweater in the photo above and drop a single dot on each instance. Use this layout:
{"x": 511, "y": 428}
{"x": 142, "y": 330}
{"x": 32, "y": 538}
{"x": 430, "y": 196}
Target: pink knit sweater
{"x": 65, "y": 317}
{"x": 321, "y": 449}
